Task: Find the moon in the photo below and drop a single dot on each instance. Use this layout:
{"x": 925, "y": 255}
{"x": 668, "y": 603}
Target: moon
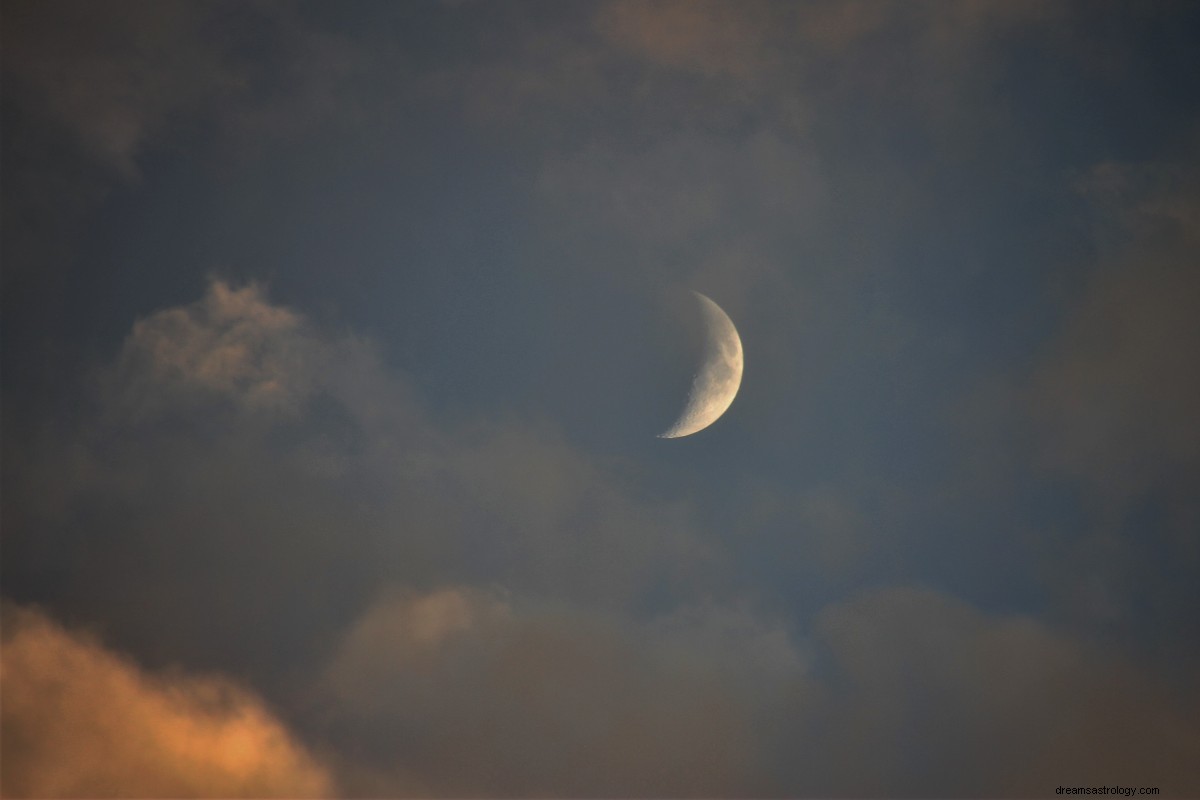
{"x": 716, "y": 383}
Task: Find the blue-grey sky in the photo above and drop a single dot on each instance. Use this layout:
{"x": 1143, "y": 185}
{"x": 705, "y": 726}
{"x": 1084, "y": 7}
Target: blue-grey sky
{"x": 336, "y": 337}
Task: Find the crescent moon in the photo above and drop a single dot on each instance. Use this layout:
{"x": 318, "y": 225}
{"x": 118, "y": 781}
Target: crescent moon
{"x": 716, "y": 383}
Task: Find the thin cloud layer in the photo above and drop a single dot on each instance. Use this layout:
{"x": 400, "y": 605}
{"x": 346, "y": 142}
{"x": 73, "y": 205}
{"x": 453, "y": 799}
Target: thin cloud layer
{"x": 79, "y": 720}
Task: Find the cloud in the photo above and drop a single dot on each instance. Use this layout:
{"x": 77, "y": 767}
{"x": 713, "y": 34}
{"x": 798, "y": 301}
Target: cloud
{"x": 560, "y": 522}
{"x": 950, "y": 700}
{"x": 243, "y": 483}
{"x": 233, "y": 350}
{"x": 118, "y": 78}
{"x": 709, "y": 37}
{"x": 115, "y": 75}
{"x": 684, "y": 185}
{"x": 1117, "y": 388}
{"x": 469, "y": 691}
{"x": 239, "y": 432}
{"x": 608, "y": 665}
{"x": 719, "y": 700}
{"x": 712, "y": 212}
{"x": 230, "y": 345}
{"x": 925, "y": 70}
{"x": 1112, "y": 398}
{"x": 748, "y": 40}
{"x": 79, "y": 720}
{"x": 1117, "y": 391}
{"x": 235, "y": 430}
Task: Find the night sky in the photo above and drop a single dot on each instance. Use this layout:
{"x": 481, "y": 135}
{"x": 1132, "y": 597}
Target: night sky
{"x": 336, "y": 338}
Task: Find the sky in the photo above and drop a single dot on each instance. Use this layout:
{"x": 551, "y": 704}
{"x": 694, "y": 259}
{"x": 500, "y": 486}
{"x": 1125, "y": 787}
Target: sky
{"x": 336, "y": 339}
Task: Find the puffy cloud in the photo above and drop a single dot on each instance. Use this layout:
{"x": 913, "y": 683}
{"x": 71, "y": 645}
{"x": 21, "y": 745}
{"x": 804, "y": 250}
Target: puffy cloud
{"x": 240, "y": 433}
{"x": 233, "y": 349}
{"x": 231, "y": 344}
{"x": 472, "y": 691}
{"x": 466, "y": 691}
{"x": 328, "y": 467}
{"x": 1113, "y": 398}
{"x": 951, "y": 700}
{"x": 256, "y": 479}
{"x": 79, "y": 720}
{"x": 566, "y": 524}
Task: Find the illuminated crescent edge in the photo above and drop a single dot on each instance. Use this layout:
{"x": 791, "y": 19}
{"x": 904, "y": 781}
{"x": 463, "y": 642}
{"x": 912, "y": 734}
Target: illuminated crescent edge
{"x": 716, "y": 383}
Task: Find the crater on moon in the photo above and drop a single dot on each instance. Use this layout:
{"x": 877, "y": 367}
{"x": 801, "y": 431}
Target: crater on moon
{"x": 715, "y": 382}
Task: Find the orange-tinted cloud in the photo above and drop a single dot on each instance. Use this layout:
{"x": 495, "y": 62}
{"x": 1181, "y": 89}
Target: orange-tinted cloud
{"x": 231, "y": 344}
{"x": 79, "y": 720}
{"x": 463, "y": 691}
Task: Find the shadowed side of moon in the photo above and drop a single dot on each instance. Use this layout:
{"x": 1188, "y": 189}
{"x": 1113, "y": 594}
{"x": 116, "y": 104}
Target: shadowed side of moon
{"x": 716, "y": 382}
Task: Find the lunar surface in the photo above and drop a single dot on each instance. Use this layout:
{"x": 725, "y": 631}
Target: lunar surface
{"x": 716, "y": 383}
